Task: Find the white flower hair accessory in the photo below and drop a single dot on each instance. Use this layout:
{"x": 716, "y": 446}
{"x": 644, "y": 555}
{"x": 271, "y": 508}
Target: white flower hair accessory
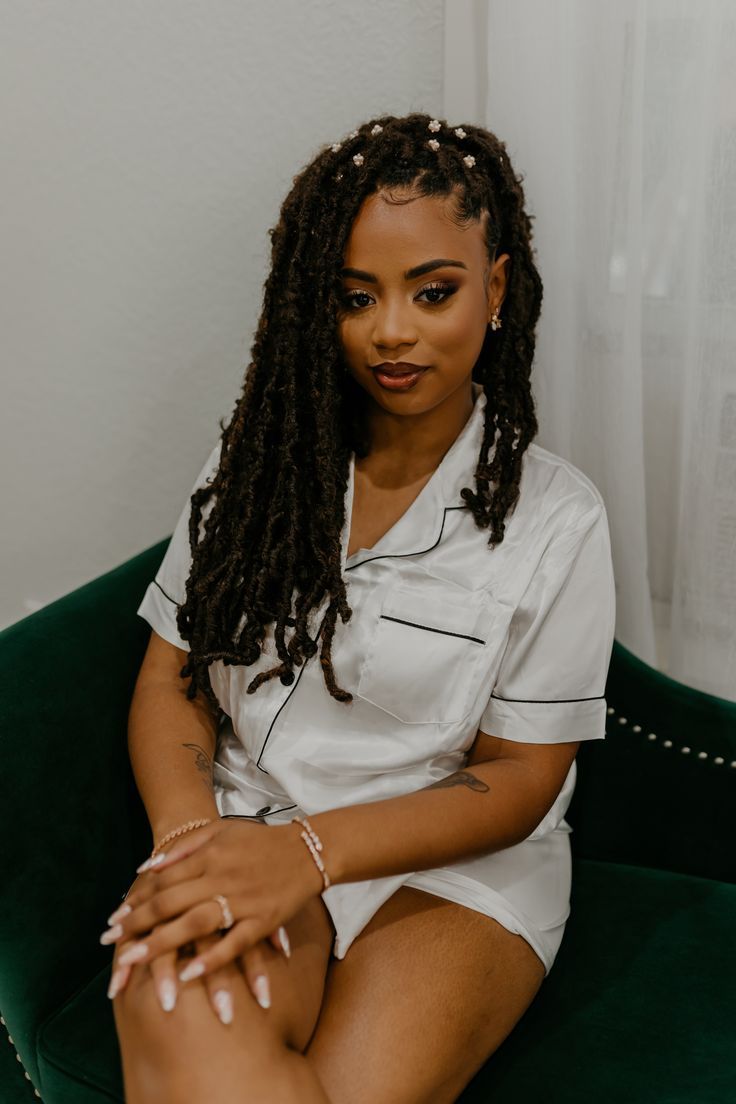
{"x": 336, "y": 146}
{"x": 376, "y": 129}
{"x": 469, "y": 160}
{"x": 460, "y": 132}
{"x": 353, "y": 134}
{"x": 433, "y": 144}
{"x": 358, "y": 158}
{"x": 434, "y": 126}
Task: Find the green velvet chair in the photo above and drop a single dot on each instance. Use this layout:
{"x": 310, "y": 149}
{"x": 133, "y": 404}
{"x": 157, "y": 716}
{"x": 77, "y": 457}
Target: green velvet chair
{"x": 640, "y": 1005}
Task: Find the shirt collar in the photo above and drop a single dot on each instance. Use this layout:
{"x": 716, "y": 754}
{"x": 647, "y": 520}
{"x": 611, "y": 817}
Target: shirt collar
{"x": 420, "y": 526}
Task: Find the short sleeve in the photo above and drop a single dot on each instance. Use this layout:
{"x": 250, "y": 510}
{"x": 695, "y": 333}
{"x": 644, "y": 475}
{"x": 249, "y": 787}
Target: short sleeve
{"x": 167, "y": 590}
{"x": 551, "y": 682}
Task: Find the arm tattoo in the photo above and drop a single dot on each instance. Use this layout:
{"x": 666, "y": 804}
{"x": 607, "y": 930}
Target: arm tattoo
{"x": 203, "y": 763}
{"x": 460, "y": 778}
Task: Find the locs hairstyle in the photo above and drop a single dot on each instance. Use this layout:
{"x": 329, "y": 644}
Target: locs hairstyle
{"x": 270, "y": 548}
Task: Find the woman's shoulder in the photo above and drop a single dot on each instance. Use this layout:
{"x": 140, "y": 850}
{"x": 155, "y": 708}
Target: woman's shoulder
{"x": 551, "y": 481}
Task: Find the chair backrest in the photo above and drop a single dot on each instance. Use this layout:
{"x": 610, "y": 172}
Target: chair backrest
{"x": 660, "y": 790}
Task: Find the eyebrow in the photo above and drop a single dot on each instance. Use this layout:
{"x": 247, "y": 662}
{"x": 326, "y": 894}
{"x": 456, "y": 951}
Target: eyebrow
{"x": 410, "y": 274}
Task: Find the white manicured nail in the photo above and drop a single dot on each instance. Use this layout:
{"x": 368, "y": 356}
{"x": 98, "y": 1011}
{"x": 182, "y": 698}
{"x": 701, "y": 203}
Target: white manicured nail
{"x": 111, "y": 934}
{"x": 114, "y": 985}
{"x": 223, "y": 1002}
{"x": 193, "y": 970}
{"x": 285, "y": 941}
{"x": 261, "y": 987}
{"x": 149, "y": 863}
{"x": 119, "y": 913}
{"x": 167, "y": 994}
{"x": 133, "y": 954}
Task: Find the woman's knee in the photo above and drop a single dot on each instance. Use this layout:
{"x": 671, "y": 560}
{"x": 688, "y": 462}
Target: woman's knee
{"x": 193, "y": 1023}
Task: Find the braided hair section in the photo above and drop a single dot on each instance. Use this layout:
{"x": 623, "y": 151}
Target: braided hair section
{"x": 268, "y": 553}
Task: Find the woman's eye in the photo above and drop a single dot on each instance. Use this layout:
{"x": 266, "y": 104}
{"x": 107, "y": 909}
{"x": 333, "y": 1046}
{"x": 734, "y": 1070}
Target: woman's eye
{"x": 349, "y": 298}
{"x": 446, "y": 290}
{"x": 442, "y": 289}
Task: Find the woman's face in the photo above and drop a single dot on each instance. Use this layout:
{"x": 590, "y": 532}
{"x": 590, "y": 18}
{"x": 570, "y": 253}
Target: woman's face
{"x": 435, "y": 319}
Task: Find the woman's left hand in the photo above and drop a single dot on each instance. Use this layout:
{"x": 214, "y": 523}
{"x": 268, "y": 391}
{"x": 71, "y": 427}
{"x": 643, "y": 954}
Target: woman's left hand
{"x": 266, "y": 874}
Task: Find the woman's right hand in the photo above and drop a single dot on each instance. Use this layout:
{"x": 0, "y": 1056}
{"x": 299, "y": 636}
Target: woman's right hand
{"x": 165, "y": 969}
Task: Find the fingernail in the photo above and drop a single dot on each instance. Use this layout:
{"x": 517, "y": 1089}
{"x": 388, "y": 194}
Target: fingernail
{"x": 133, "y": 954}
{"x": 261, "y": 987}
{"x": 119, "y": 913}
{"x": 149, "y": 863}
{"x": 224, "y": 1004}
{"x": 167, "y": 994}
{"x": 285, "y": 941}
{"x": 111, "y": 934}
{"x": 114, "y": 985}
{"x": 194, "y": 969}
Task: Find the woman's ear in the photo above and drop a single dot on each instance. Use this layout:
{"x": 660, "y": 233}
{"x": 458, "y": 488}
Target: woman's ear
{"x": 497, "y": 283}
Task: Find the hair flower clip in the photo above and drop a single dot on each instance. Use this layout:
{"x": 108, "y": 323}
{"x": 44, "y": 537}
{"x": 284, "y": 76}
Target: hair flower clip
{"x": 433, "y": 144}
{"x": 336, "y": 146}
{"x": 469, "y": 160}
{"x": 353, "y": 134}
{"x": 435, "y": 125}
{"x": 358, "y": 158}
{"x": 376, "y": 129}
{"x": 460, "y": 132}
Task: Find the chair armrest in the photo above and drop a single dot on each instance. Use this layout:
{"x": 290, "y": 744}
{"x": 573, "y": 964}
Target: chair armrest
{"x": 73, "y": 825}
{"x": 660, "y": 790}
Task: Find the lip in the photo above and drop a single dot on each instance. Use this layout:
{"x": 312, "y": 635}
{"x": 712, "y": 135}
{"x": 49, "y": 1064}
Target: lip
{"x": 396, "y": 379}
{"x": 398, "y": 368}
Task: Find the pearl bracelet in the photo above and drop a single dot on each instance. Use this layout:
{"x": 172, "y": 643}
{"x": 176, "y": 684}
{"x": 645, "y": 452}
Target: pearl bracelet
{"x": 314, "y": 843}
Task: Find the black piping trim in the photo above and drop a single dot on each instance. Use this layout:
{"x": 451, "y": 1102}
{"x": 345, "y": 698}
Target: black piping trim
{"x": 293, "y": 688}
{"x": 259, "y": 816}
{"x": 430, "y": 628}
{"x": 403, "y": 555}
{"x": 165, "y": 594}
{"x": 548, "y": 701}
{"x": 383, "y": 556}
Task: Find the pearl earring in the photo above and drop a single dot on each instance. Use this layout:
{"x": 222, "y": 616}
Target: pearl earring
{"x": 495, "y": 320}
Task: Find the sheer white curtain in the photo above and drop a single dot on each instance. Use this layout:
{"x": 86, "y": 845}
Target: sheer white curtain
{"x": 621, "y": 118}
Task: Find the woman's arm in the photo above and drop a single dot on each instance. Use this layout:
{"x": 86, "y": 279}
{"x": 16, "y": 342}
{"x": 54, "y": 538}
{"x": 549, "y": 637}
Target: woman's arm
{"x": 171, "y": 742}
{"x": 496, "y": 801}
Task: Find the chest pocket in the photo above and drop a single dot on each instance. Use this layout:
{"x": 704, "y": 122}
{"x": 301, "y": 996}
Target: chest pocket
{"x": 427, "y": 653}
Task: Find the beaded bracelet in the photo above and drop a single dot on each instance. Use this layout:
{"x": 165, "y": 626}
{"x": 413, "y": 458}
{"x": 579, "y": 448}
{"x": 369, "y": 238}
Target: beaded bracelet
{"x": 314, "y": 843}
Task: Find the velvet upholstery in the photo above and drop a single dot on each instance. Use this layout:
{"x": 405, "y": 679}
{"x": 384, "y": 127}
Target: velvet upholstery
{"x": 638, "y": 1006}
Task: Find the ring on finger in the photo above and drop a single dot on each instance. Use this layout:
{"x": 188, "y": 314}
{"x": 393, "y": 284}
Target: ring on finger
{"x": 227, "y": 916}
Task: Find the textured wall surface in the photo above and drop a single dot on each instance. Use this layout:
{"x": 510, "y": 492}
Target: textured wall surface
{"x": 147, "y": 148}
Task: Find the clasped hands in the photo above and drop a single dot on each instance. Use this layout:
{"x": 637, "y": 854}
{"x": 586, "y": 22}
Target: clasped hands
{"x": 265, "y": 872}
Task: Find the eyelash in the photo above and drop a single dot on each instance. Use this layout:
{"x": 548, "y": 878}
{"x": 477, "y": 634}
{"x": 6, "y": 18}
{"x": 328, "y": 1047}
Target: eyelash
{"x": 439, "y": 285}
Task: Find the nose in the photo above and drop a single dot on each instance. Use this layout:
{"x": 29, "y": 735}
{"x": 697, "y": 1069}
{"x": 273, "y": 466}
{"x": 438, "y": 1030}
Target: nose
{"x": 392, "y": 326}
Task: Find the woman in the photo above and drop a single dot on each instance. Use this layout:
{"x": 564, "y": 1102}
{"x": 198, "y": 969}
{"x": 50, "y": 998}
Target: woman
{"x": 378, "y": 466}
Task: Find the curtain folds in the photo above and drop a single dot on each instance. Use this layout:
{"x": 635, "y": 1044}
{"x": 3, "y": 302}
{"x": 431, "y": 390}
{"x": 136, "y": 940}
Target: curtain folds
{"x": 621, "y": 119}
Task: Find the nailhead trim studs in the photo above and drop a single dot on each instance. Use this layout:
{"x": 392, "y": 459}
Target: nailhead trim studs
{"x": 26, "y": 1074}
{"x": 718, "y": 760}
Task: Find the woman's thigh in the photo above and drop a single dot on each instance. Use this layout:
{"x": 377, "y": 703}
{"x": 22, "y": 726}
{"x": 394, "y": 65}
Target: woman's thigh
{"x": 160, "y": 1050}
{"x": 424, "y": 995}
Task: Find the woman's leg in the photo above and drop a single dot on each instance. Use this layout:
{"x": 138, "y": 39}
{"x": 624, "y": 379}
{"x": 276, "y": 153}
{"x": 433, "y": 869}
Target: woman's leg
{"x": 187, "y": 1056}
{"x": 424, "y": 995}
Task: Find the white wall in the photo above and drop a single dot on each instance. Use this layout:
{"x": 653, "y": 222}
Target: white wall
{"x": 147, "y": 145}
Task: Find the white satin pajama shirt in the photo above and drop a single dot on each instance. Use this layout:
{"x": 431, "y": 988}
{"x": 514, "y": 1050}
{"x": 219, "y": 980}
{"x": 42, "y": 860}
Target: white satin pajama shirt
{"x": 447, "y": 636}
